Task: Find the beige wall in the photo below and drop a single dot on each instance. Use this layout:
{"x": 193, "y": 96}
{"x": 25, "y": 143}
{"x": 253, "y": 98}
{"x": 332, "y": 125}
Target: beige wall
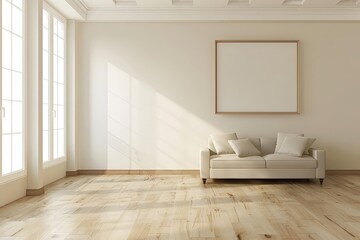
{"x": 146, "y": 91}
{"x": 10, "y": 191}
{"x": 53, "y": 172}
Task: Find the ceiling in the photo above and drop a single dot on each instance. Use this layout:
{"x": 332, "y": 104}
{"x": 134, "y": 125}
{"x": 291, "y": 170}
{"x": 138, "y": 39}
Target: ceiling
{"x": 96, "y": 4}
{"x": 212, "y": 10}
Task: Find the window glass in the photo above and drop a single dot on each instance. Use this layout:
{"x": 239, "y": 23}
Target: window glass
{"x": 17, "y": 25}
{"x": 53, "y": 87}
{"x": 12, "y": 86}
{"x": 6, "y": 49}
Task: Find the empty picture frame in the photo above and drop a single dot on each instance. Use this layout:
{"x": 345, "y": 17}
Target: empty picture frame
{"x": 256, "y": 77}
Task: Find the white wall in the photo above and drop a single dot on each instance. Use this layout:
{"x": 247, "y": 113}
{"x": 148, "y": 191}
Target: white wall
{"x": 146, "y": 91}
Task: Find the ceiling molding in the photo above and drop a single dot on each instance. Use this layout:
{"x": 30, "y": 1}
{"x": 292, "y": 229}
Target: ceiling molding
{"x": 82, "y": 5}
{"x": 214, "y": 10}
{"x": 79, "y": 6}
{"x": 210, "y": 14}
{"x": 70, "y": 9}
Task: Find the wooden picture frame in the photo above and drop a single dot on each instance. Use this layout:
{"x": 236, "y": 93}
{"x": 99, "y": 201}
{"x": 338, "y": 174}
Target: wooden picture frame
{"x": 253, "y": 77}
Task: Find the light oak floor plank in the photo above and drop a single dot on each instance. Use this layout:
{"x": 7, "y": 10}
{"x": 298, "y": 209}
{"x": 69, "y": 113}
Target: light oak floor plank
{"x": 181, "y": 207}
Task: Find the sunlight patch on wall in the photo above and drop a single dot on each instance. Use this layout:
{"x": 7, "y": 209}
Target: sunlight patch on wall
{"x": 147, "y": 130}
{"x": 118, "y": 119}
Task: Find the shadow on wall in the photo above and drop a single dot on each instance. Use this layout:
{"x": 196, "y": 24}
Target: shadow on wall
{"x": 146, "y": 130}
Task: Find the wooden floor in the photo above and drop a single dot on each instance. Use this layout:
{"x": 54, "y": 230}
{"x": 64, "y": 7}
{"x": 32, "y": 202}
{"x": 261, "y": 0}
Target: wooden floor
{"x": 181, "y": 207}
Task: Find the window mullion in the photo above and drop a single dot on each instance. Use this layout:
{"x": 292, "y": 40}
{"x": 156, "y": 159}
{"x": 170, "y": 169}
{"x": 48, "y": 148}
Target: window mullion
{"x": 51, "y": 88}
{"x": 11, "y": 102}
{"x": 24, "y": 86}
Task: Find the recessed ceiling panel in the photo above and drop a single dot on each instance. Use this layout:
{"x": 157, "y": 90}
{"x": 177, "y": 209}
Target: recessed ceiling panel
{"x": 266, "y": 3}
{"x": 182, "y": 2}
{"x": 320, "y": 3}
{"x": 239, "y": 2}
{"x": 293, "y": 2}
{"x": 125, "y": 2}
{"x": 154, "y": 3}
{"x": 98, "y": 3}
{"x": 349, "y": 2}
{"x": 210, "y": 3}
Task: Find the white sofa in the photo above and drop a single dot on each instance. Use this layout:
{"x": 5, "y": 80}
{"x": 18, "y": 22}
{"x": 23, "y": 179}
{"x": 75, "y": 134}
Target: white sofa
{"x": 266, "y": 166}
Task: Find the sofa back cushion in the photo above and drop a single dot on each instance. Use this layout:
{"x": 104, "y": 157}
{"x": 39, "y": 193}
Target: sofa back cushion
{"x": 221, "y": 143}
{"x": 255, "y": 141}
{"x": 267, "y": 145}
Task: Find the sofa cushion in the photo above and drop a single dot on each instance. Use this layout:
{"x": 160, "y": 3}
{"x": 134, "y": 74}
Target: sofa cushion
{"x": 267, "y": 145}
{"x": 244, "y": 148}
{"x": 221, "y": 143}
{"x": 281, "y": 137}
{"x": 282, "y": 161}
{"x": 234, "y": 162}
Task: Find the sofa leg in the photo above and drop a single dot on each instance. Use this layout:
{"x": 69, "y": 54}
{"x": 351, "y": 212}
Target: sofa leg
{"x": 321, "y": 180}
{"x": 204, "y": 180}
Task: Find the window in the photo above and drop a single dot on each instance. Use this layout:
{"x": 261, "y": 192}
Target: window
{"x": 53, "y": 85}
{"x": 45, "y": 86}
{"x": 12, "y": 83}
{"x": 58, "y": 89}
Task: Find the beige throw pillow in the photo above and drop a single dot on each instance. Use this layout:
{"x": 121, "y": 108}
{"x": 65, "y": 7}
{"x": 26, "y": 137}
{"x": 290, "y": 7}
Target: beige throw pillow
{"x": 294, "y": 146}
{"x": 281, "y": 137}
{"x": 221, "y": 143}
{"x": 244, "y": 148}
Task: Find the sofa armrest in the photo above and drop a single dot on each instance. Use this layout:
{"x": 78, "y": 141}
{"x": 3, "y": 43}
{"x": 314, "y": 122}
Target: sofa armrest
{"x": 320, "y": 156}
{"x": 204, "y": 163}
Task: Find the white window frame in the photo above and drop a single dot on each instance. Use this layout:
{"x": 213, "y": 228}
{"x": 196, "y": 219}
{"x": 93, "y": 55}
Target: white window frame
{"x": 54, "y": 13}
{"x": 13, "y": 176}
